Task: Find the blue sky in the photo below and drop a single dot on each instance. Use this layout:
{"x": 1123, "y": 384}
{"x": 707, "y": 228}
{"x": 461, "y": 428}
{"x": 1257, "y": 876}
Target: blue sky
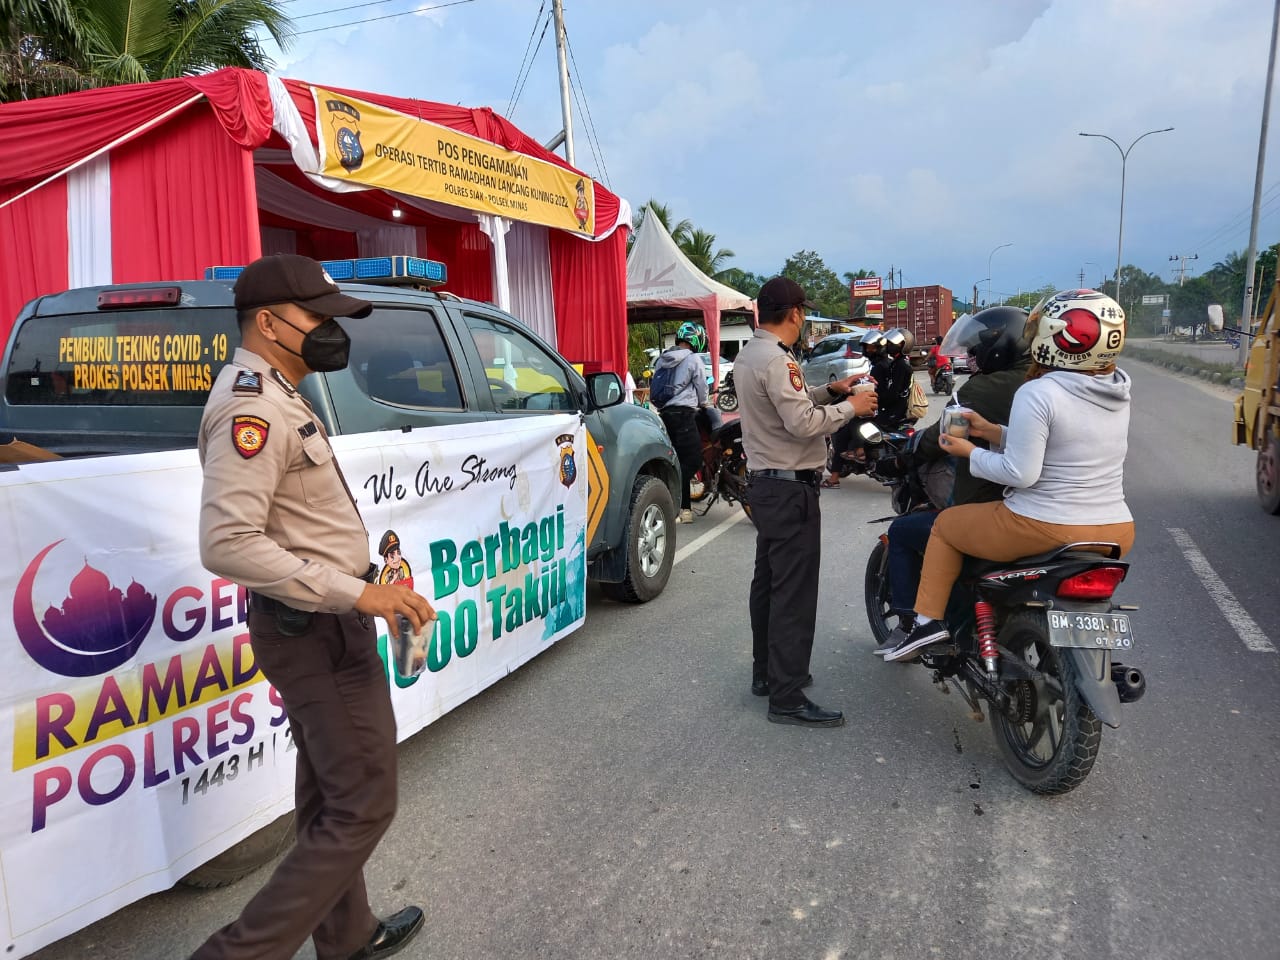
{"x": 921, "y": 134}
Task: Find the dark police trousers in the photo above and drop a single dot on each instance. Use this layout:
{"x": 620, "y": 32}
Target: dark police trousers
{"x": 784, "y": 590}
{"x": 334, "y": 687}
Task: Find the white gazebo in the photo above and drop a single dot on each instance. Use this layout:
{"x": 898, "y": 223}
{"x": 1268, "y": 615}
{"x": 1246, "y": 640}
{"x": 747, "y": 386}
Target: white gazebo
{"x": 663, "y": 284}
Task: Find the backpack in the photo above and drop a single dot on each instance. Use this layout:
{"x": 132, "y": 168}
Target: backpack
{"x": 662, "y": 388}
{"x": 918, "y": 404}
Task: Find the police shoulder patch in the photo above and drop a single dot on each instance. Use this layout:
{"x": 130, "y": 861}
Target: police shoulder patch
{"x": 249, "y": 435}
{"x": 248, "y": 383}
{"x": 797, "y": 380}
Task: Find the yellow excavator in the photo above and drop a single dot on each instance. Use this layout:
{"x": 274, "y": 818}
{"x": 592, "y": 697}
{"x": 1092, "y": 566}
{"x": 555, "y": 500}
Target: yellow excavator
{"x": 1257, "y": 409}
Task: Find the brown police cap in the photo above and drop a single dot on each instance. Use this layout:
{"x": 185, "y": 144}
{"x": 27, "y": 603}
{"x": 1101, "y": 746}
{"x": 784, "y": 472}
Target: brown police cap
{"x": 290, "y": 278}
{"x": 780, "y": 293}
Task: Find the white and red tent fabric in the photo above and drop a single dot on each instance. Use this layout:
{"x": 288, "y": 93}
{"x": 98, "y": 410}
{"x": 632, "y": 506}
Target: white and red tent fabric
{"x": 663, "y": 284}
{"x": 158, "y": 181}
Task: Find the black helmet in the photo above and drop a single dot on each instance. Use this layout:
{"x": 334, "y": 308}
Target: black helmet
{"x": 873, "y": 344}
{"x": 894, "y": 342}
{"x": 996, "y": 338}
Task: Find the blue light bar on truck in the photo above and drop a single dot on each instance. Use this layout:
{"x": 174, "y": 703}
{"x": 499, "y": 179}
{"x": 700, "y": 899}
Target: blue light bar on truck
{"x": 388, "y": 270}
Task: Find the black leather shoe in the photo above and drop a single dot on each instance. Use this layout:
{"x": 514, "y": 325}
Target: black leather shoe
{"x": 808, "y": 714}
{"x": 392, "y": 934}
{"x": 760, "y": 688}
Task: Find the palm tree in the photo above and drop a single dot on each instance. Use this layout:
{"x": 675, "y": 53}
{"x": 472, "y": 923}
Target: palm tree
{"x": 679, "y": 232}
{"x": 61, "y": 45}
{"x": 38, "y": 44}
{"x": 698, "y": 246}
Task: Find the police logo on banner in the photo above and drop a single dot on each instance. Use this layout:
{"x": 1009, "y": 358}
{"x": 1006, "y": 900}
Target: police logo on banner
{"x": 346, "y": 133}
{"x": 568, "y": 465}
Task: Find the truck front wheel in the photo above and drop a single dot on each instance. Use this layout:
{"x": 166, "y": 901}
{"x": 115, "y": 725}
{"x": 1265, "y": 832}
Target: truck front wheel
{"x": 650, "y": 543}
{"x": 1269, "y": 474}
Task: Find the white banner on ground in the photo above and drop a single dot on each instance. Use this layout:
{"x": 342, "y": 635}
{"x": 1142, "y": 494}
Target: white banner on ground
{"x": 142, "y": 738}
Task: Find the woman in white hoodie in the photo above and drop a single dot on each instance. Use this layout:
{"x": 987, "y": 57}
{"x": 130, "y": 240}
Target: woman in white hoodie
{"x": 1061, "y": 458}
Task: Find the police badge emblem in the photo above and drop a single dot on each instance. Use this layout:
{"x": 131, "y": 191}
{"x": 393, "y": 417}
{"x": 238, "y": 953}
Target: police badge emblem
{"x": 249, "y": 435}
{"x": 568, "y": 465}
{"x": 346, "y": 133}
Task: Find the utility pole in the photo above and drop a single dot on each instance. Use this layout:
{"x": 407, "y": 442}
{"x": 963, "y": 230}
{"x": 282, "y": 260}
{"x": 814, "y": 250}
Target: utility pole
{"x": 1082, "y": 276}
{"x": 1182, "y": 259}
{"x": 1246, "y": 312}
{"x": 566, "y": 110}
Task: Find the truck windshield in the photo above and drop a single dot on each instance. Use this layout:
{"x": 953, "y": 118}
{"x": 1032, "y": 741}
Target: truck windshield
{"x": 121, "y": 358}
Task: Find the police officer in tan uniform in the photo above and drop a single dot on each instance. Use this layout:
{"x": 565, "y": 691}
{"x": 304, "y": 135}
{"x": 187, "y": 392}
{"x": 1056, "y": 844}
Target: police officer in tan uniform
{"x": 277, "y": 516}
{"x": 784, "y": 424}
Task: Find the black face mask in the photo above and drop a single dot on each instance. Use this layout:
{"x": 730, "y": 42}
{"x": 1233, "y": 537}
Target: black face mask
{"x": 324, "y": 349}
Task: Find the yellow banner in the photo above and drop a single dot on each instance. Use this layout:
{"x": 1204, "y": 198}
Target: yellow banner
{"x": 369, "y": 144}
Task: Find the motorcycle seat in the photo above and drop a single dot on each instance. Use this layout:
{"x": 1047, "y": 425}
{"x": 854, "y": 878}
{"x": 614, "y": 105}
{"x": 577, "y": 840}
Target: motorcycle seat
{"x": 977, "y": 567}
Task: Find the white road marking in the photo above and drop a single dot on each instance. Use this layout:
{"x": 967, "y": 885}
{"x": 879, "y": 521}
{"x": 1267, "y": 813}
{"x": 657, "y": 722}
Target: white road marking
{"x": 693, "y": 546}
{"x": 1243, "y": 624}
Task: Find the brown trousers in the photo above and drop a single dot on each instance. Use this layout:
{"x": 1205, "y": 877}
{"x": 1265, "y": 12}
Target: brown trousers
{"x": 334, "y": 687}
{"x": 993, "y": 532}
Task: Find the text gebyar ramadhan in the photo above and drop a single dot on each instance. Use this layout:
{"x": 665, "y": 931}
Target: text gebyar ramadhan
{"x": 495, "y": 173}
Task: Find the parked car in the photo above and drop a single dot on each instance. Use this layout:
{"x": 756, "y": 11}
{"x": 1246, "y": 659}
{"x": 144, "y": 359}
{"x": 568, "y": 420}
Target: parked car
{"x": 960, "y": 363}
{"x": 835, "y": 357}
{"x": 725, "y": 367}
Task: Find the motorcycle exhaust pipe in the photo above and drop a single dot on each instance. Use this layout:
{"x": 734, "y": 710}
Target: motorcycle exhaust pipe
{"x": 1129, "y": 681}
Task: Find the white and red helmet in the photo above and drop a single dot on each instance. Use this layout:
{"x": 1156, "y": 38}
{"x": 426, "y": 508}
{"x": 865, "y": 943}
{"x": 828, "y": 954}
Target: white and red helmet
{"x": 1076, "y": 330}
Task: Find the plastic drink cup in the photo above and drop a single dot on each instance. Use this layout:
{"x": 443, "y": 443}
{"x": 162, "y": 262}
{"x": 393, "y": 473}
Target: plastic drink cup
{"x": 953, "y": 422}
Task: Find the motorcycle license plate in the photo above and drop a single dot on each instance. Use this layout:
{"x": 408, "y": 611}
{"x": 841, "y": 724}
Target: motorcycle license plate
{"x": 1092, "y": 631}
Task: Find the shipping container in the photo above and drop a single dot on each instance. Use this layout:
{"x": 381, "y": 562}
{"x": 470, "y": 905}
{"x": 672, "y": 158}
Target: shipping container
{"x": 925, "y": 311}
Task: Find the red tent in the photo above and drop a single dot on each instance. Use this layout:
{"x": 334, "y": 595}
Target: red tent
{"x": 161, "y": 180}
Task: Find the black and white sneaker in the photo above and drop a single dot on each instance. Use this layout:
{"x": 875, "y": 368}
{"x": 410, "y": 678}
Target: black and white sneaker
{"x": 897, "y": 635}
{"x": 925, "y": 634}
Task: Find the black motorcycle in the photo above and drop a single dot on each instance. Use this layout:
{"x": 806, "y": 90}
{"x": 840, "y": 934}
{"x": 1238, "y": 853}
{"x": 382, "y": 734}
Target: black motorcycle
{"x": 1034, "y": 638}
{"x": 943, "y": 378}
{"x": 723, "y": 475}
{"x": 727, "y": 396}
{"x": 854, "y": 456}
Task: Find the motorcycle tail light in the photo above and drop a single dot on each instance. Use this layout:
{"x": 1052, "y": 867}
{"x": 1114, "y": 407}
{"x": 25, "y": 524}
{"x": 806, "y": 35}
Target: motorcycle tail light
{"x": 1095, "y": 584}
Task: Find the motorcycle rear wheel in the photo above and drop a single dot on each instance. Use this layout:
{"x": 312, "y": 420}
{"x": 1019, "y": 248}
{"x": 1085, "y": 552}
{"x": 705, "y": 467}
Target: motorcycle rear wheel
{"x": 876, "y": 592}
{"x": 1048, "y": 738}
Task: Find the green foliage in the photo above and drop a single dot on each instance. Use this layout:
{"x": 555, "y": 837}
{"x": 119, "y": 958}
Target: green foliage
{"x": 641, "y": 337}
{"x": 57, "y": 46}
{"x": 825, "y": 289}
{"x": 744, "y": 281}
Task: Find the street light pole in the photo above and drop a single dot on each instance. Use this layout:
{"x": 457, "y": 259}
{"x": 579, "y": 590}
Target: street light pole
{"x": 1124, "y": 158}
{"x": 975, "y": 292}
{"x": 989, "y": 256}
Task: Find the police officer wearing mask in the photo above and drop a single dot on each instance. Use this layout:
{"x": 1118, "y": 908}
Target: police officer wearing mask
{"x": 784, "y": 424}
{"x": 277, "y": 517}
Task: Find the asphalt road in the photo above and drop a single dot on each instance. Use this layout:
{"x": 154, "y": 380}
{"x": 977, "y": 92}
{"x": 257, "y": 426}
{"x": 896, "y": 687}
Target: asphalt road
{"x": 622, "y": 796}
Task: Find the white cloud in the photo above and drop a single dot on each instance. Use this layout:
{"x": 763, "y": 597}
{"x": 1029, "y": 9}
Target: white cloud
{"x": 922, "y": 134}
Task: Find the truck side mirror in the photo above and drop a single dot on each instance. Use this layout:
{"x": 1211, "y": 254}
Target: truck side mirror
{"x": 605, "y": 389}
{"x": 1215, "y": 316}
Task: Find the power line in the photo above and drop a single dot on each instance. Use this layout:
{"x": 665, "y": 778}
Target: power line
{"x": 529, "y": 69}
{"x": 591, "y": 125}
{"x": 1232, "y": 224}
{"x": 389, "y": 16}
{"x": 510, "y": 99}
{"x": 354, "y": 6}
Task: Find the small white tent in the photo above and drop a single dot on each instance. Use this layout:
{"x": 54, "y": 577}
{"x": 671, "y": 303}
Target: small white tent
{"x": 663, "y": 284}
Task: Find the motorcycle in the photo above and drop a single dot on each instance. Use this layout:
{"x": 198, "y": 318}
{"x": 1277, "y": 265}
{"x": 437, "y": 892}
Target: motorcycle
{"x": 723, "y": 475}
{"x": 943, "y": 378}
{"x": 1034, "y": 640}
{"x": 727, "y": 396}
{"x": 848, "y": 463}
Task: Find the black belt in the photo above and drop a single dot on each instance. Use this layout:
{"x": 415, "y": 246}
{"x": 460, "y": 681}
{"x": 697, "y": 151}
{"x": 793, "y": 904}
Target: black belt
{"x": 260, "y": 603}
{"x": 811, "y": 477}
